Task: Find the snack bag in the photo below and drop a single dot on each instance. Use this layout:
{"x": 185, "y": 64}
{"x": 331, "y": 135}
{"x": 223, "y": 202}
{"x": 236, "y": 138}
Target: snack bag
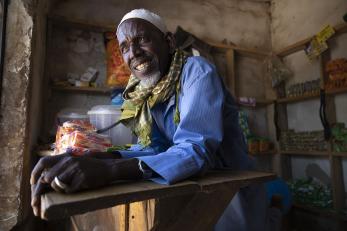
{"x": 79, "y": 136}
{"x": 117, "y": 71}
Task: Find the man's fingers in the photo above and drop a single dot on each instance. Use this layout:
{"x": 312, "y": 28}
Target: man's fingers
{"x": 58, "y": 168}
{"x": 44, "y": 163}
{"x": 36, "y": 191}
{"x": 64, "y": 179}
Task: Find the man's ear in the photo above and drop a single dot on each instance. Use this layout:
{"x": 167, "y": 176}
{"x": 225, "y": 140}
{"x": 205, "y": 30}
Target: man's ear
{"x": 171, "y": 41}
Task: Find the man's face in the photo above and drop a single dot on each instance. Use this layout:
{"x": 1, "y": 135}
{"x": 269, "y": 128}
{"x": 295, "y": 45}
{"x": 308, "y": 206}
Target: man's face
{"x": 145, "y": 48}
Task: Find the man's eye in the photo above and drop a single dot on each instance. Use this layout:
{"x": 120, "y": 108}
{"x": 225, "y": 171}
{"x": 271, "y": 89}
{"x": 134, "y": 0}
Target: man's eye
{"x": 143, "y": 40}
{"x": 124, "y": 49}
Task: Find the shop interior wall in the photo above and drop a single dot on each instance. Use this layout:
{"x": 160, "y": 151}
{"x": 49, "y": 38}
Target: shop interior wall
{"x": 312, "y": 16}
{"x": 245, "y": 23}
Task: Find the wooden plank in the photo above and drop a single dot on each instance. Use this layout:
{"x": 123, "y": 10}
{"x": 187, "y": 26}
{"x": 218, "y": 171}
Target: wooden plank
{"x": 300, "y": 45}
{"x": 266, "y": 153}
{"x": 341, "y": 154}
{"x": 168, "y": 210}
{"x": 297, "y": 98}
{"x": 259, "y": 102}
{"x": 231, "y": 80}
{"x": 254, "y": 53}
{"x": 204, "y": 210}
{"x": 337, "y": 91}
{"x": 91, "y": 90}
{"x": 243, "y": 178}
{"x": 337, "y": 184}
{"x": 55, "y": 205}
{"x": 306, "y": 153}
{"x": 282, "y": 123}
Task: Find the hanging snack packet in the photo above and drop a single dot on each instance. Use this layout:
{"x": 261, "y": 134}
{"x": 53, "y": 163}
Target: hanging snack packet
{"x": 117, "y": 71}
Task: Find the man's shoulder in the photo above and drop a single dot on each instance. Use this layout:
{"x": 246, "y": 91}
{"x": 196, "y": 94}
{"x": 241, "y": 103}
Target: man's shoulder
{"x": 198, "y": 64}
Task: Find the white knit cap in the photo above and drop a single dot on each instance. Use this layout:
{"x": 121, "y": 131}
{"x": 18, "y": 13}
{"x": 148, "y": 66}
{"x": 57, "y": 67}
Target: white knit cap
{"x": 147, "y": 15}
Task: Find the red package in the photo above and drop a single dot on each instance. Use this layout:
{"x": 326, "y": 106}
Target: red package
{"x": 79, "y": 137}
{"x": 118, "y": 72}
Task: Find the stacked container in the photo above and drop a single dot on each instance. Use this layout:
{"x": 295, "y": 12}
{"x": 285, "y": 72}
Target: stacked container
{"x": 102, "y": 116}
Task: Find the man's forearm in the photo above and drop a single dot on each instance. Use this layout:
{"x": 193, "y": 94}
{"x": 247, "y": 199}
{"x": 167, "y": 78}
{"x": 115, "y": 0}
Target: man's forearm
{"x": 125, "y": 169}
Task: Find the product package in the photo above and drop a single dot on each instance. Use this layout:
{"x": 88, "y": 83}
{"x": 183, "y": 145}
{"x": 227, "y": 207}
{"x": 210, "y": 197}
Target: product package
{"x": 117, "y": 71}
{"x": 79, "y": 137}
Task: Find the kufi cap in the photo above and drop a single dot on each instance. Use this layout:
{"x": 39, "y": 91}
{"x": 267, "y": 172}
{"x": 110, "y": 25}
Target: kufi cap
{"x": 147, "y": 15}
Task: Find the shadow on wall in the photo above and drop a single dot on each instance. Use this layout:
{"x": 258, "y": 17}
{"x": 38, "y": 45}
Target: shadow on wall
{"x": 316, "y": 172}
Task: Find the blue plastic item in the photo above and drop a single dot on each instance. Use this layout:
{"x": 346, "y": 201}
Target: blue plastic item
{"x": 116, "y": 97}
{"x": 279, "y": 187}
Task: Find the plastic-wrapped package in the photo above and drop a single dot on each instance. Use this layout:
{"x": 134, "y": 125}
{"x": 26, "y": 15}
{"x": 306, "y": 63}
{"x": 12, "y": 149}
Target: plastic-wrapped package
{"x": 118, "y": 72}
{"x": 80, "y": 137}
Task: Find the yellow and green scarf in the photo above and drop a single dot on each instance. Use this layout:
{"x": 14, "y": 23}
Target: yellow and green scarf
{"x": 136, "y": 113}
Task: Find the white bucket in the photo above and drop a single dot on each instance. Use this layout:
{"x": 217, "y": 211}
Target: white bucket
{"x": 102, "y": 116}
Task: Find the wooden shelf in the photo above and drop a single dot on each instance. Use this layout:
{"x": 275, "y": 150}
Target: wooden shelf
{"x": 297, "y": 98}
{"x": 321, "y": 211}
{"x": 267, "y": 153}
{"x": 259, "y": 102}
{"x": 340, "y": 28}
{"x": 308, "y": 97}
{"x": 304, "y": 153}
{"x": 91, "y": 90}
{"x": 336, "y": 91}
{"x": 341, "y": 154}
{"x": 240, "y": 50}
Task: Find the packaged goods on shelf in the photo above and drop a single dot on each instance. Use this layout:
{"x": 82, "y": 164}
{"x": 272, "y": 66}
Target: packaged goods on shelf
{"x": 304, "y": 89}
{"x": 79, "y": 136}
{"x": 306, "y": 141}
{"x": 309, "y": 192}
{"x": 339, "y": 134}
{"x": 337, "y": 70}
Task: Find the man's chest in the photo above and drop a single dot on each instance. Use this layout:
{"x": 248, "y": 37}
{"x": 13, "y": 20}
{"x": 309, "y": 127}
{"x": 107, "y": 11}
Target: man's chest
{"x": 163, "y": 116}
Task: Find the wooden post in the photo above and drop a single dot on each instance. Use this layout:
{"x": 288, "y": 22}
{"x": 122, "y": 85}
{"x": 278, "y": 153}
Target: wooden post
{"x": 231, "y": 83}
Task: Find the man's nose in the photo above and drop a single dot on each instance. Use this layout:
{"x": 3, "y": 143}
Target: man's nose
{"x": 135, "y": 50}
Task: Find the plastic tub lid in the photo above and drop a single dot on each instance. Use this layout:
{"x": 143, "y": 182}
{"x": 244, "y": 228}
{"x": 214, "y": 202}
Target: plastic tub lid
{"x": 105, "y": 109}
{"x": 73, "y": 113}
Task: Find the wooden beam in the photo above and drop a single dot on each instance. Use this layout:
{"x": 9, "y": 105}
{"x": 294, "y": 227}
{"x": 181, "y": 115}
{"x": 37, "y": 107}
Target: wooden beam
{"x": 255, "y": 53}
{"x": 306, "y": 153}
{"x": 56, "y": 206}
{"x": 300, "y": 45}
{"x": 337, "y": 184}
{"x": 91, "y": 90}
{"x": 231, "y": 79}
{"x": 298, "y": 98}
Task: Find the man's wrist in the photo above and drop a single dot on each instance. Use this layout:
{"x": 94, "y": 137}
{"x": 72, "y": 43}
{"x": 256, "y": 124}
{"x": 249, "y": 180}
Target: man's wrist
{"x": 146, "y": 171}
{"x": 124, "y": 169}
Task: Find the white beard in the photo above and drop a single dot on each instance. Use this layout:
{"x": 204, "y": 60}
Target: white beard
{"x": 151, "y": 80}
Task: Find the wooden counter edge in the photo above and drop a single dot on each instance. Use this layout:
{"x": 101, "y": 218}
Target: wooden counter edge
{"x": 57, "y": 206}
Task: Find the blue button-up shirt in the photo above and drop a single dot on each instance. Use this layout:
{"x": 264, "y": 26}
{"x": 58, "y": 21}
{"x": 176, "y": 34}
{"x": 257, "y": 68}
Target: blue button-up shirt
{"x": 208, "y": 135}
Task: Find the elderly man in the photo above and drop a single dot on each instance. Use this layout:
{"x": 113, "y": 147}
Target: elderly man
{"x": 185, "y": 119}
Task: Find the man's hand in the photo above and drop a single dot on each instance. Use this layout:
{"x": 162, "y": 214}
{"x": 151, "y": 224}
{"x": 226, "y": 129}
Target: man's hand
{"x": 78, "y": 173}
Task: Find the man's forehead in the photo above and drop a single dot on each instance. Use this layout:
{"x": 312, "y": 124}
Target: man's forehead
{"x": 133, "y": 26}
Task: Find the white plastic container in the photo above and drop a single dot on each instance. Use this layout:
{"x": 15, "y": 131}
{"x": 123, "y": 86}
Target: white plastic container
{"x": 102, "y": 116}
{"x": 68, "y": 114}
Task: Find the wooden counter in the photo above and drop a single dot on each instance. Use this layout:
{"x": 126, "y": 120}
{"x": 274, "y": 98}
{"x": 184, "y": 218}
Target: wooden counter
{"x": 201, "y": 200}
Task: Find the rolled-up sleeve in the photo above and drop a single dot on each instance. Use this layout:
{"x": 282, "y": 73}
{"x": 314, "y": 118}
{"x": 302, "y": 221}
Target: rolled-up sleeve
{"x": 200, "y": 130}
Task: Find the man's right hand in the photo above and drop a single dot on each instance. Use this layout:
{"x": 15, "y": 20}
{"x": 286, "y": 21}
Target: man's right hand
{"x": 41, "y": 180}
